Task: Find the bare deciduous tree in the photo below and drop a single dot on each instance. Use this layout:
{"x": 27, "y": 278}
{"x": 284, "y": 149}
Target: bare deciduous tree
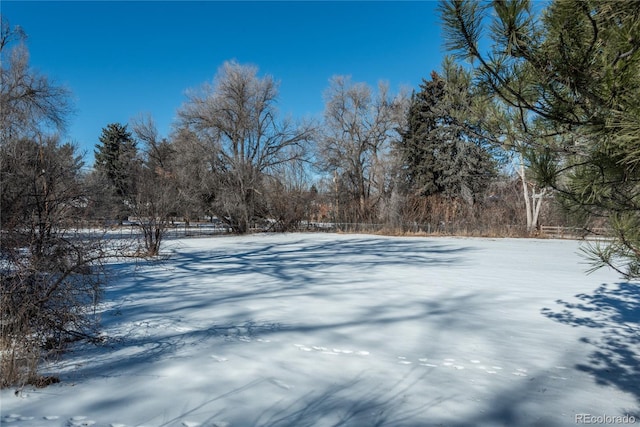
{"x": 156, "y": 198}
{"x": 49, "y": 275}
{"x": 359, "y": 127}
{"x": 192, "y": 169}
{"x": 289, "y": 196}
{"x": 31, "y": 103}
{"x": 237, "y": 118}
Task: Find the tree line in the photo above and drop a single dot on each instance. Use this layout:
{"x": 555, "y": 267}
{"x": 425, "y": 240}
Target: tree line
{"x": 542, "y": 122}
{"x": 376, "y": 156}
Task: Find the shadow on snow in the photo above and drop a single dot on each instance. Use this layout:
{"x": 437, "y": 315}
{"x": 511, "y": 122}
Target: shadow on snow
{"x": 614, "y": 309}
{"x": 142, "y": 298}
{"x": 301, "y": 268}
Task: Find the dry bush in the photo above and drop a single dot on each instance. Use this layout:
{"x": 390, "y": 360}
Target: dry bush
{"x": 498, "y": 214}
{"x": 288, "y": 208}
{"x": 47, "y": 300}
{"x": 50, "y": 276}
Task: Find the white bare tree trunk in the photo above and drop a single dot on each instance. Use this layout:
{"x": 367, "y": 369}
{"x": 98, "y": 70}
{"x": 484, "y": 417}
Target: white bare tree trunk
{"x": 533, "y": 197}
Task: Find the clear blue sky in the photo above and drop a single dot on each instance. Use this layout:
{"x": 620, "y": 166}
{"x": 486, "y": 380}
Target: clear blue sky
{"x": 121, "y": 59}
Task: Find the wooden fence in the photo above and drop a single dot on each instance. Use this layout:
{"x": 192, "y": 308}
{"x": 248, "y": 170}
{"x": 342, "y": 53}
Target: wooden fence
{"x": 559, "y": 232}
{"x": 179, "y": 230}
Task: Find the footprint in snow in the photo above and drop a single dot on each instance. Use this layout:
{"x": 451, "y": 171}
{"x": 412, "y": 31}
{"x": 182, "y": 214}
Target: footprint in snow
{"x": 449, "y": 362}
{"x": 11, "y": 418}
{"x": 219, "y": 358}
{"x": 280, "y": 384}
{"x": 403, "y": 360}
{"x": 262, "y": 340}
{"x": 80, "y": 421}
{"x": 520, "y": 372}
{"x": 332, "y": 351}
{"x": 475, "y": 361}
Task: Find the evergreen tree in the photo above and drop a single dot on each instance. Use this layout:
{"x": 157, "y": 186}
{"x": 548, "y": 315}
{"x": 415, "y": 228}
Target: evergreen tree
{"x": 573, "y": 74}
{"x": 442, "y": 149}
{"x": 418, "y": 157}
{"x": 116, "y": 157}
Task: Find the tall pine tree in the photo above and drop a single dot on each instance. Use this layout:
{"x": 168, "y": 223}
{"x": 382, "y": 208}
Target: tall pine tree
{"x": 116, "y": 157}
{"x": 442, "y": 149}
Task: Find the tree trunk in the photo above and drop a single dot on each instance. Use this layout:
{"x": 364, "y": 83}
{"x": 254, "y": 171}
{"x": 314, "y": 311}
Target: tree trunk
{"x": 532, "y": 199}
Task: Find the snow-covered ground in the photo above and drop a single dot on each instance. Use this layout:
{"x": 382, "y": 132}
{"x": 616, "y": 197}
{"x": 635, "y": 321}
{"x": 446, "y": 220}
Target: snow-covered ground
{"x": 351, "y": 330}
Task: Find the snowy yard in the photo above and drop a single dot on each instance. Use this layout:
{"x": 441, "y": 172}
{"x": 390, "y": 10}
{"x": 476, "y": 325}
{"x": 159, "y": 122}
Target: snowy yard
{"x": 351, "y": 330}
